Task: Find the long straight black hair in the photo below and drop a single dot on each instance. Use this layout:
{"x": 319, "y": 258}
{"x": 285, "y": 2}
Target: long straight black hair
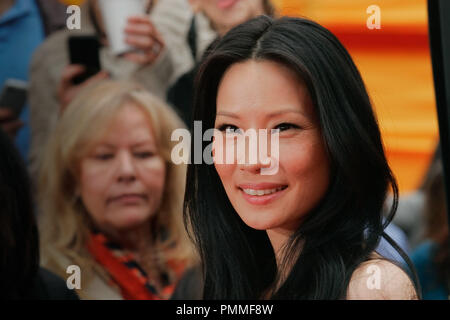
{"x": 238, "y": 262}
{"x": 19, "y": 243}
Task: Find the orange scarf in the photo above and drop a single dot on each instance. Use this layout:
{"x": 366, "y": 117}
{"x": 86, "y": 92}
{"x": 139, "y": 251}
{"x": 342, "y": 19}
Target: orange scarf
{"x": 125, "y": 272}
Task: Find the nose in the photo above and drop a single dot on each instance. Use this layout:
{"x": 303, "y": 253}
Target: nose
{"x": 260, "y": 158}
{"x": 251, "y": 168}
{"x": 252, "y": 163}
{"x": 126, "y": 171}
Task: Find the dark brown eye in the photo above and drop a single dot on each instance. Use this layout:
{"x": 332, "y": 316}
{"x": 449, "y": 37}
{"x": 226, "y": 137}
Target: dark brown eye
{"x": 286, "y": 126}
{"x": 229, "y": 128}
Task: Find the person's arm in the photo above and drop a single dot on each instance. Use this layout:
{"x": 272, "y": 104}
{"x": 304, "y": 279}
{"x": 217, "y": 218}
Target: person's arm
{"x": 170, "y": 21}
{"x": 173, "y": 19}
{"x": 142, "y": 34}
{"x": 151, "y": 64}
{"x": 46, "y": 66}
{"x": 67, "y": 90}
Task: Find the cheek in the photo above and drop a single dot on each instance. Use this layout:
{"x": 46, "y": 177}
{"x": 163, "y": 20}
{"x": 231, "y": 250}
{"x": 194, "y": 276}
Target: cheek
{"x": 152, "y": 174}
{"x": 94, "y": 183}
{"x": 225, "y": 172}
{"x": 307, "y": 166}
{"x": 96, "y": 173}
{"x": 95, "y": 177}
{"x": 223, "y": 151}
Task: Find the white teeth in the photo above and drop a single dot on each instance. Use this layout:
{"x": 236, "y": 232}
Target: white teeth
{"x": 253, "y": 192}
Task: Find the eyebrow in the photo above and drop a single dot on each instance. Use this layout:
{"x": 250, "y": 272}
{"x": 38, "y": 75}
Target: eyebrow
{"x": 270, "y": 115}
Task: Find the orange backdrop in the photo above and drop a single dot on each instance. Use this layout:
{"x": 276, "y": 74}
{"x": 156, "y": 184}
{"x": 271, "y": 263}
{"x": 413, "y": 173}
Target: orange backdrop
{"x": 395, "y": 64}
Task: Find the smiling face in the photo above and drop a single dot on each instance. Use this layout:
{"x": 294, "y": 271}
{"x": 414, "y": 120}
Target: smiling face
{"x": 226, "y": 14}
{"x": 122, "y": 176}
{"x": 276, "y": 99}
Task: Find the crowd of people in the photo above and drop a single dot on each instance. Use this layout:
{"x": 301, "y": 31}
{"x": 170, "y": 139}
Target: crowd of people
{"x": 87, "y": 177}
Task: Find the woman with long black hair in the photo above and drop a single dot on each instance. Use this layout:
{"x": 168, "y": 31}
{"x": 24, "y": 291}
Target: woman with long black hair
{"x": 309, "y": 229}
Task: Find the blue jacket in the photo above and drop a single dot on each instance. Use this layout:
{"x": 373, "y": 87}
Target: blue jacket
{"x": 21, "y": 32}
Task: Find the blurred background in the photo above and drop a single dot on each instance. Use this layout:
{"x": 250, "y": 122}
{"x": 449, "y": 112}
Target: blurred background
{"x": 394, "y": 60}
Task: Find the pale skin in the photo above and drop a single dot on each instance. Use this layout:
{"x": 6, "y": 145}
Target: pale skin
{"x": 121, "y": 183}
{"x": 394, "y": 283}
{"x": 277, "y": 99}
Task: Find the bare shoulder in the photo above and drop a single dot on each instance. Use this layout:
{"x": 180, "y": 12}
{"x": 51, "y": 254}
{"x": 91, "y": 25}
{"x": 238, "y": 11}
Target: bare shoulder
{"x": 379, "y": 279}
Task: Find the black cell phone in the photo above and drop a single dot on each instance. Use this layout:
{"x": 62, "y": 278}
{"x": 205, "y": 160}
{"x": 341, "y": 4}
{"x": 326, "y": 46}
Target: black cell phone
{"x": 84, "y": 50}
{"x": 14, "y": 95}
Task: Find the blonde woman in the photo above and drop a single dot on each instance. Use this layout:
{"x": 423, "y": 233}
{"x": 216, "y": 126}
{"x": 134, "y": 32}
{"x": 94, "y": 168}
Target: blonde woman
{"x": 110, "y": 196}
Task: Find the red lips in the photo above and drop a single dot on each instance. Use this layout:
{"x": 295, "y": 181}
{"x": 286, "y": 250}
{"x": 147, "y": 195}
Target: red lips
{"x": 261, "y": 186}
{"x": 262, "y": 199}
{"x": 225, "y": 4}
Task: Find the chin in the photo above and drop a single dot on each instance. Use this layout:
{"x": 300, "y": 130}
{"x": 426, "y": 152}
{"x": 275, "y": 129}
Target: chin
{"x": 131, "y": 220}
{"x": 258, "y": 222}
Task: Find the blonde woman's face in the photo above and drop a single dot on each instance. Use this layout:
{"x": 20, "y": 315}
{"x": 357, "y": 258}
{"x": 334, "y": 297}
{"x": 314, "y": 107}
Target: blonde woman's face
{"x": 122, "y": 176}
